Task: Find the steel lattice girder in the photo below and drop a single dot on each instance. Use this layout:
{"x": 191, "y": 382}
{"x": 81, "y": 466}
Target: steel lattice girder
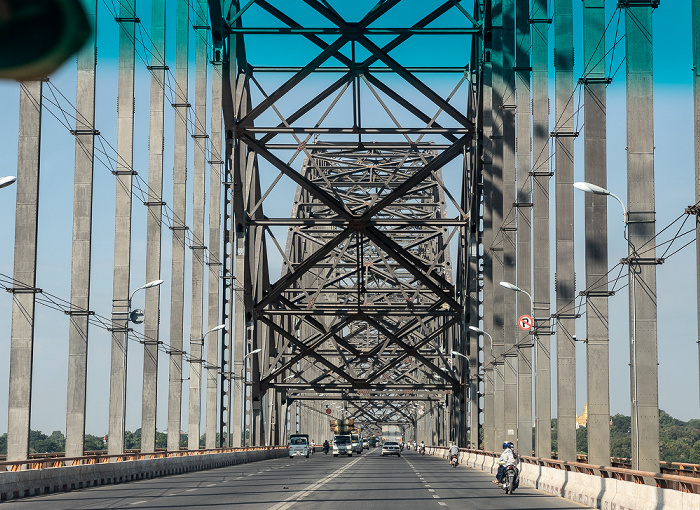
{"x": 367, "y": 276}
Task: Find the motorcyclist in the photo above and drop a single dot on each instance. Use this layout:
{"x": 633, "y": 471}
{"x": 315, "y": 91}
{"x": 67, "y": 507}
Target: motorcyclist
{"x": 509, "y": 457}
{"x": 421, "y": 447}
{"x": 312, "y": 447}
{"x": 414, "y": 445}
{"x": 326, "y": 446}
{"x": 454, "y": 450}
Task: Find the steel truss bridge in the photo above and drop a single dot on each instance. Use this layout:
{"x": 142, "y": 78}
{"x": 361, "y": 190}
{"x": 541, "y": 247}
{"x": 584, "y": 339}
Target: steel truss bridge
{"x": 418, "y": 178}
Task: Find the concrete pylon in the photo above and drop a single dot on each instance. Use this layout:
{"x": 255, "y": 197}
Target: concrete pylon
{"x": 82, "y": 242}
{"x": 24, "y": 290}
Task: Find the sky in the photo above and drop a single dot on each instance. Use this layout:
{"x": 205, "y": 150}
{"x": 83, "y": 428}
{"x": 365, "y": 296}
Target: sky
{"x": 674, "y": 166}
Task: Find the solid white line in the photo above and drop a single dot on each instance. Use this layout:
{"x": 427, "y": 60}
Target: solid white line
{"x": 211, "y": 485}
{"x": 190, "y": 490}
{"x": 138, "y": 502}
{"x": 283, "y": 505}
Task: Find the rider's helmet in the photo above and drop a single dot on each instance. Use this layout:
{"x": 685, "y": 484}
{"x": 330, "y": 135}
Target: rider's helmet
{"x": 506, "y": 444}
{"x": 511, "y": 445}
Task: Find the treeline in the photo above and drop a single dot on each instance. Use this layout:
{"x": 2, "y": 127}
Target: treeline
{"x": 56, "y": 442}
{"x": 679, "y": 441}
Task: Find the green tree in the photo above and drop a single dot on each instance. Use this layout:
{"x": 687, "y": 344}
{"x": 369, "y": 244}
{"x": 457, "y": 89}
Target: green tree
{"x": 93, "y": 443}
{"x": 3, "y": 444}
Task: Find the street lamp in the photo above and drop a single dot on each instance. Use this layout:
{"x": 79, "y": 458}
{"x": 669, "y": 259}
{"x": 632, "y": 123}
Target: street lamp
{"x": 597, "y": 190}
{"x": 217, "y": 328}
{"x": 6, "y": 181}
{"x": 136, "y": 316}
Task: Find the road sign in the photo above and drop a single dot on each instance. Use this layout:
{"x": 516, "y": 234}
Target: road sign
{"x": 421, "y": 412}
{"x": 328, "y": 411}
{"x": 526, "y": 322}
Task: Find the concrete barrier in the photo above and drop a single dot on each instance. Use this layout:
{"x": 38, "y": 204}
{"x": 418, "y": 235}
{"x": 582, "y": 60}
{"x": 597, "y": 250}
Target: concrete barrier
{"x": 591, "y": 490}
{"x": 18, "y": 484}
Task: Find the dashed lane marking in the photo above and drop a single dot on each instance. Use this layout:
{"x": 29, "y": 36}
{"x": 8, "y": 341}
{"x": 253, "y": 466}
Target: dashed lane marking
{"x": 138, "y": 502}
{"x": 431, "y": 490}
{"x": 211, "y": 485}
{"x": 441, "y": 503}
{"x": 436, "y": 496}
{"x": 283, "y": 505}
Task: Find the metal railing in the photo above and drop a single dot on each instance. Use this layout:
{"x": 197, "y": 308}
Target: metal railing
{"x": 43, "y": 461}
{"x": 688, "y": 481}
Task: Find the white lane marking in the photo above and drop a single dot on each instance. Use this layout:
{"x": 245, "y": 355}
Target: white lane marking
{"x": 436, "y": 496}
{"x": 283, "y": 505}
{"x": 211, "y": 485}
{"x": 431, "y": 490}
{"x": 427, "y": 485}
{"x": 138, "y": 502}
{"x": 190, "y": 490}
{"x": 441, "y": 503}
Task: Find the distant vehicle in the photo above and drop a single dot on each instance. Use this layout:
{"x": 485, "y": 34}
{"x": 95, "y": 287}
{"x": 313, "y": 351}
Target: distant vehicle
{"x": 298, "y": 445}
{"x": 391, "y": 448}
{"x": 392, "y": 433}
{"x": 373, "y": 441}
{"x": 356, "y": 441}
{"x": 342, "y": 445}
{"x": 365, "y": 444}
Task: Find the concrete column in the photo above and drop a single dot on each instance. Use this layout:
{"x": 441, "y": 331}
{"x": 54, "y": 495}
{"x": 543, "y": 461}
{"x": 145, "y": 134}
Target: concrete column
{"x": 239, "y": 375}
{"x": 23, "y": 302}
{"x": 156, "y": 143}
{"x": 215, "y": 178}
{"x": 487, "y": 255}
{"x": 523, "y": 212}
{"x": 641, "y": 224}
{"x": 509, "y": 225}
{"x": 540, "y": 213}
{"x": 565, "y": 281}
{"x": 596, "y": 221}
{"x": 198, "y": 206}
{"x": 177, "y": 286}
{"x": 497, "y": 91}
{"x": 122, "y": 229}
{"x": 82, "y": 242}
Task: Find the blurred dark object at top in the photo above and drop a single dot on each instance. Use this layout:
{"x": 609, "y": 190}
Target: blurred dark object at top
{"x": 37, "y": 36}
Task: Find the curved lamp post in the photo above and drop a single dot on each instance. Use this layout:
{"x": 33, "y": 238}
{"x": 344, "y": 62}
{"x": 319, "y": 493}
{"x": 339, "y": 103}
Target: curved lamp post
{"x": 597, "y": 190}
{"x": 6, "y": 181}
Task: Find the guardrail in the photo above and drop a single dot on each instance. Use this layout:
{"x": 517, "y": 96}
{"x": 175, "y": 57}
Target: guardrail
{"x": 42, "y": 461}
{"x": 689, "y": 483}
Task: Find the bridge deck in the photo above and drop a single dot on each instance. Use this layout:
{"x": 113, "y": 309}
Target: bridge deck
{"x": 367, "y": 481}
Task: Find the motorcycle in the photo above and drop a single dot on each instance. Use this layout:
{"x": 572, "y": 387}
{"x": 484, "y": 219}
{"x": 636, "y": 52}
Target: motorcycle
{"x": 510, "y": 479}
{"x": 454, "y": 460}
{"x": 422, "y": 450}
{"x": 326, "y": 448}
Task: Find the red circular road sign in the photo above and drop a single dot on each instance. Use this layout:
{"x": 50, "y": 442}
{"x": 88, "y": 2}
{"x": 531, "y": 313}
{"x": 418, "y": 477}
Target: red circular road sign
{"x": 526, "y": 322}
{"x": 328, "y": 411}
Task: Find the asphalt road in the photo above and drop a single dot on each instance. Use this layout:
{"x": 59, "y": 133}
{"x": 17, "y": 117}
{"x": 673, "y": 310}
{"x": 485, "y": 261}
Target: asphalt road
{"x": 361, "y": 482}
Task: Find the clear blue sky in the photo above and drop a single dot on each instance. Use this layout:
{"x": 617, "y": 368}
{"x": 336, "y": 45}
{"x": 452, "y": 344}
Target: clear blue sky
{"x": 674, "y": 170}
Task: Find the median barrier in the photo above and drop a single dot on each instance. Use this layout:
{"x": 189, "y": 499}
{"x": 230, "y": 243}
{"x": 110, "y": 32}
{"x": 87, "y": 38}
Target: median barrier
{"x": 602, "y": 487}
{"x": 81, "y": 472}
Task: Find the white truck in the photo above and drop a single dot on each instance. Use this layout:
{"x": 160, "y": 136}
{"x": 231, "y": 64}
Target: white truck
{"x": 298, "y": 445}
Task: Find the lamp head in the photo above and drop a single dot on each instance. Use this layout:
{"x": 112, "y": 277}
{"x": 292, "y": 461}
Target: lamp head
{"x": 591, "y": 188}
{"x": 477, "y": 330}
{"x": 510, "y": 286}
{"x": 154, "y": 283}
{"x": 6, "y": 181}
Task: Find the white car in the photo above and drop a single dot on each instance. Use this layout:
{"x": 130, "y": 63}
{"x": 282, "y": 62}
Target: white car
{"x": 365, "y": 444}
{"x": 391, "y": 448}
